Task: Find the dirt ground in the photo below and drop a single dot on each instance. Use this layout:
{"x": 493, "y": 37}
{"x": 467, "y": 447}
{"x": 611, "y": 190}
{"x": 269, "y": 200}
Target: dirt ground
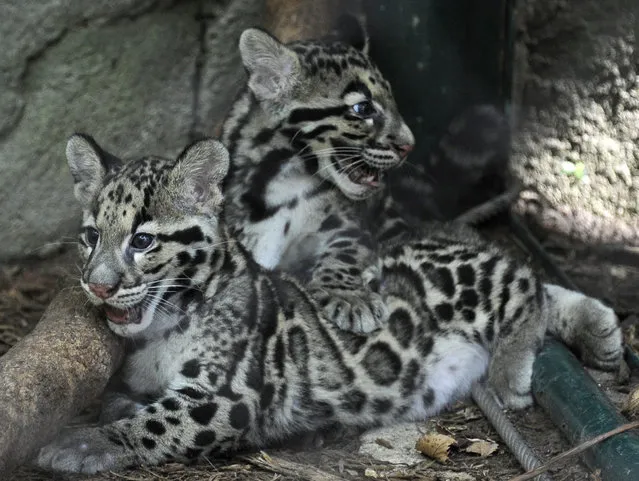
{"x": 26, "y": 289}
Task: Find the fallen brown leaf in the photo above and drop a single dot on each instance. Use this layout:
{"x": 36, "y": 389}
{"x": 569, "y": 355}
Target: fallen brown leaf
{"x": 631, "y": 405}
{"x": 482, "y": 447}
{"x": 435, "y": 446}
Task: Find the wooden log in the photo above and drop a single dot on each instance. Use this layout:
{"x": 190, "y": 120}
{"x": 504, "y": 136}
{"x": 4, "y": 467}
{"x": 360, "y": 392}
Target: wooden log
{"x": 52, "y": 374}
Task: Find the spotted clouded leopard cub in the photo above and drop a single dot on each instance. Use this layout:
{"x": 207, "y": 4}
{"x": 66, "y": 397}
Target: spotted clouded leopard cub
{"x": 224, "y": 354}
{"x": 310, "y": 139}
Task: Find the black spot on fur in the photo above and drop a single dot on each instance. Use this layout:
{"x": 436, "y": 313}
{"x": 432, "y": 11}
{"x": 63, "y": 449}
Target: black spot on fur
{"x": 172, "y": 420}
{"x": 155, "y": 427}
{"x": 442, "y": 279}
{"x": 212, "y": 378}
{"x": 524, "y": 285}
{"x": 469, "y": 298}
{"x": 410, "y": 378}
{"x": 204, "y": 438}
{"x": 148, "y": 443}
{"x": 170, "y": 404}
{"x": 266, "y": 398}
{"x": 183, "y": 258}
{"x": 425, "y": 345}
{"x": 353, "y": 401}
{"x": 469, "y": 314}
{"x": 381, "y": 406}
{"x": 401, "y": 326}
{"x": 466, "y": 275}
{"x": 204, "y": 413}
{"x": 428, "y": 397}
{"x": 263, "y": 136}
{"x": 444, "y": 311}
{"x": 382, "y": 364}
{"x": 191, "y": 368}
{"x": 239, "y": 416}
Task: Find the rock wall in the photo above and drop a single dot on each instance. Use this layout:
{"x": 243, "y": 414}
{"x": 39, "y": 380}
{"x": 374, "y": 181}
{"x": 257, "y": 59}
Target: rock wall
{"x": 142, "y": 76}
{"x": 577, "y": 84}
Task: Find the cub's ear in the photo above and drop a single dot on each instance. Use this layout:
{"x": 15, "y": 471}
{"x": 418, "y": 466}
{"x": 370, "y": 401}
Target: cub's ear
{"x": 350, "y": 30}
{"x": 194, "y": 182}
{"x": 274, "y": 69}
{"x": 89, "y": 165}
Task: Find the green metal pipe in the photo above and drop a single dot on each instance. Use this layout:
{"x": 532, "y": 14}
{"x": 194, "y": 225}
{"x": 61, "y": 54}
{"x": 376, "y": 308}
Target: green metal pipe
{"x": 581, "y": 411}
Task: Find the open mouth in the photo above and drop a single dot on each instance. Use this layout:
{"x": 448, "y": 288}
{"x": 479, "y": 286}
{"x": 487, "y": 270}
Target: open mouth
{"x": 131, "y": 315}
{"x": 365, "y": 175}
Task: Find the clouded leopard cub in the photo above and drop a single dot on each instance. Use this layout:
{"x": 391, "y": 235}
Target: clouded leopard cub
{"x": 311, "y": 138}
{"x": 224, "y": 354}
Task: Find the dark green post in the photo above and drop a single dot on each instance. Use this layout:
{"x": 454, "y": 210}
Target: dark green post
{"x": 442, "y": 56}
{"x": 581, "y": 411}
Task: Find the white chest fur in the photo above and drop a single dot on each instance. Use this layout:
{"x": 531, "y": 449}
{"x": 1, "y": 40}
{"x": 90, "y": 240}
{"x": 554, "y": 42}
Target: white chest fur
{"x": 298, "y": 212}
{"x": 157, "y": 365}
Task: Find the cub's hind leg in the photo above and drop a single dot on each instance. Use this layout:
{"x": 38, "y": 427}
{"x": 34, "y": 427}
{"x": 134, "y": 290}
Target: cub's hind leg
{"x": 518, "y": 307}
{"x": 585, "y": 324}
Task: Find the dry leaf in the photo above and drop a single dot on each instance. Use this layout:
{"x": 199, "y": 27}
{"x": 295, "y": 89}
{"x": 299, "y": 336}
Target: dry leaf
{"x": 435, "y": 446}
{"x": 481, "y": 447}
{"x": 631, "y": 405}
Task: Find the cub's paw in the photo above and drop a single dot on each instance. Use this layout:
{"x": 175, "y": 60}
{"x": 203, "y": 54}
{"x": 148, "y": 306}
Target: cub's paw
{"x": 83, "y": 450}
{"x": 357, "y": 311}
{"x": 598, "y": 337}
{"x": 586, "y": 325}
{"x": 511, "y": 380}
{"x": 117, "y": 406}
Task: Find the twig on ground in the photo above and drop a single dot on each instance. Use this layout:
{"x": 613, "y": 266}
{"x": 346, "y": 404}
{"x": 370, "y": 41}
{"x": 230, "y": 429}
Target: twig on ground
{"x": 290, "y": 468}
{"x": 576, "y": 450}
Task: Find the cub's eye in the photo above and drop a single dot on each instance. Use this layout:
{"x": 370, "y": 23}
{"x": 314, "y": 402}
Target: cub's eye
{"x": 142, "y": 241}
{"x": 364, "y": 109}
{"x": 91, "y": 235}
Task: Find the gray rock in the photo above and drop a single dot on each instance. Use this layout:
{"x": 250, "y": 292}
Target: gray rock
{"x": 125, "y": 71}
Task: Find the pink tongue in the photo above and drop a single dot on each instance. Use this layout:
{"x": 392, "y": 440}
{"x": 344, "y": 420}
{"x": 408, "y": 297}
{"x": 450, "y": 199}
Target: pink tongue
{"x": 117, "y": 316}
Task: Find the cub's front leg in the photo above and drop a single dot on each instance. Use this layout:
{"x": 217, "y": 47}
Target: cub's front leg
{"x": 347, "y": 296}
{"x": 177, "y": 427}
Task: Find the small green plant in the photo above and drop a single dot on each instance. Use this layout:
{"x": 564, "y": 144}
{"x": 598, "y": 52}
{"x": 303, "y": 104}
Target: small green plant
{"x": 574, "y": 169}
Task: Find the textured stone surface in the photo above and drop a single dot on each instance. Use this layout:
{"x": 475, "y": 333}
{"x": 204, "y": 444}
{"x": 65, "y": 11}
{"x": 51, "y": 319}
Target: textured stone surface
{"x": 578, "y": 86}
{"x": 126, "y": 71}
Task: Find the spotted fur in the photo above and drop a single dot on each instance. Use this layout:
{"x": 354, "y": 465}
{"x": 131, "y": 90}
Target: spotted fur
{"x": 225, "y": 355}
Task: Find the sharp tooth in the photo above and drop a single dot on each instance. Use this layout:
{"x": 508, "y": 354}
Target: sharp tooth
{"x": 370, "y": 178}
